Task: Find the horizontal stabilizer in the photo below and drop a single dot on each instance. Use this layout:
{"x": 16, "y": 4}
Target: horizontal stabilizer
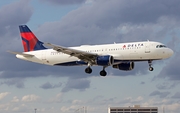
{"x": 19, "y": 53}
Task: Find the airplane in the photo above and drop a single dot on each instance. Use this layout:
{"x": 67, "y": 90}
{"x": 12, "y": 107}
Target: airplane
{"x": 120, "y": 56}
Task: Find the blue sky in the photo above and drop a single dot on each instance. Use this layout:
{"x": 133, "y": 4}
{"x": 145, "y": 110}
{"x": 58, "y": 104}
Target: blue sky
{"x": 25, "y": 85}
{"x": 49, "y": 12}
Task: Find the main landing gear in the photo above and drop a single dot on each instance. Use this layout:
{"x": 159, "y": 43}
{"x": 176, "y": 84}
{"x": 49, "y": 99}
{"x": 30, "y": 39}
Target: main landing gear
{"x": 150, "y": 65}
{"x": 88, "y": 70}
{"x": 102, "y": 73}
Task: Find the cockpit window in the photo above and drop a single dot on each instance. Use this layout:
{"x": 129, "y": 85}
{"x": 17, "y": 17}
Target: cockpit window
{"x": 160, "y": 46}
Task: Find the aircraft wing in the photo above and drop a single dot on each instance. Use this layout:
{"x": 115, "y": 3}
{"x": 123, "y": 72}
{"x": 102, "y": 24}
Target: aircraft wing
{"x": 23, "y": 54}
{"x": 85, "y": 56}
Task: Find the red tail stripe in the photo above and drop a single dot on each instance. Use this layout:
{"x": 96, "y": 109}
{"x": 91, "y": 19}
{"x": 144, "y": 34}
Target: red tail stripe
{"x": 29, "y": 38}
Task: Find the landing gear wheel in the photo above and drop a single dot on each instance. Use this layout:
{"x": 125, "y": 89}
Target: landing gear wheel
{"x": 88, "y": 70}
{"x": 151, "y": 68}
{"x": 150, "y": 65}
{"x": 103, "y": 73}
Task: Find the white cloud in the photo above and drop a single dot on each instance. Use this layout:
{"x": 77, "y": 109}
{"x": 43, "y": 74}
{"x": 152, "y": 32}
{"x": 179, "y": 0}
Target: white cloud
{"x": 4, "y": 94}
{"x": 70, "y": 108}
{"x": 15, "y": 109}
{"x": 20, "y": 108}
{"x": 89, "y": 1}
{"x": 30, "y": 98}
{"x": 15, "y": 99}
{"x": 172, "y": 108}
{"x": 140, "y": 98}
{"x": 132, "y": 100}
{"x": 57, "y": 98}
{"x": 4, "y": 106}
{"x": 76, "y": 101}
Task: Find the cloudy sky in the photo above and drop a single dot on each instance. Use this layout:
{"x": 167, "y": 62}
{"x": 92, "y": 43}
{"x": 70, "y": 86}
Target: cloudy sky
{"x": 25, "y": 86}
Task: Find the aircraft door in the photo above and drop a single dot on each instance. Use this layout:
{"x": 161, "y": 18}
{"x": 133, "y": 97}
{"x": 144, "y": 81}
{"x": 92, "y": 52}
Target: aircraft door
{"x": 43, "y": 57}
{"x": 147, "y": 48}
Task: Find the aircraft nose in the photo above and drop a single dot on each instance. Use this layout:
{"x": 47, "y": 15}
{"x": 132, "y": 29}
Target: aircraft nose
{"x": 170, "y": 52}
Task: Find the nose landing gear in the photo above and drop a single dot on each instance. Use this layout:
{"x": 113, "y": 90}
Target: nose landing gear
{"x": 150, "y": 65}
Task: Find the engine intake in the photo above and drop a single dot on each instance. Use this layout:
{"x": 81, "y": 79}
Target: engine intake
{"x": 124, "y": 66}
{"x": 105, "y": 60}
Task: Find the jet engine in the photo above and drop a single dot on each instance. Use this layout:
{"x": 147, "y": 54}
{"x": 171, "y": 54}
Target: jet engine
{"x": 105, "y": 60}
{"x": 124, "y": 66}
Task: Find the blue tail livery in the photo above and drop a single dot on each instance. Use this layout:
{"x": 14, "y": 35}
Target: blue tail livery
{"x": 29, "y": 40}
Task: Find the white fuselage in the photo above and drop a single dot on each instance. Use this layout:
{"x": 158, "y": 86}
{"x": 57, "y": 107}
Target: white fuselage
{"x": 121, "y": 52}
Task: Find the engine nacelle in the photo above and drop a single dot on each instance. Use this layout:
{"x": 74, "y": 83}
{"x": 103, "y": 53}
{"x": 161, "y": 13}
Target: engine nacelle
{"x": 105, "y": 60}
{"x": 124, "y": 66}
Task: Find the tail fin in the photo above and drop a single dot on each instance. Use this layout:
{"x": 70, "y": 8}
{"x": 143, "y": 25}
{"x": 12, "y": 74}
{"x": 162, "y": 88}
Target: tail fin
{"x": 29, "y": 40}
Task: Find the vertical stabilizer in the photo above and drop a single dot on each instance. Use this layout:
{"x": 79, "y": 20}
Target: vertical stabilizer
{"x": 29, "y": 40}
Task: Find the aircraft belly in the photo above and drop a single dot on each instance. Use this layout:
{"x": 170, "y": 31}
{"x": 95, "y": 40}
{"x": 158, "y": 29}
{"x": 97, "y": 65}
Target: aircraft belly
{"x": 61, "y": 59}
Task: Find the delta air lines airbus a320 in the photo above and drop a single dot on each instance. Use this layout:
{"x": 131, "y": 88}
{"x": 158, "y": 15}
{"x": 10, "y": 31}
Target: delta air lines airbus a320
{"x": 118, "y": 55}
